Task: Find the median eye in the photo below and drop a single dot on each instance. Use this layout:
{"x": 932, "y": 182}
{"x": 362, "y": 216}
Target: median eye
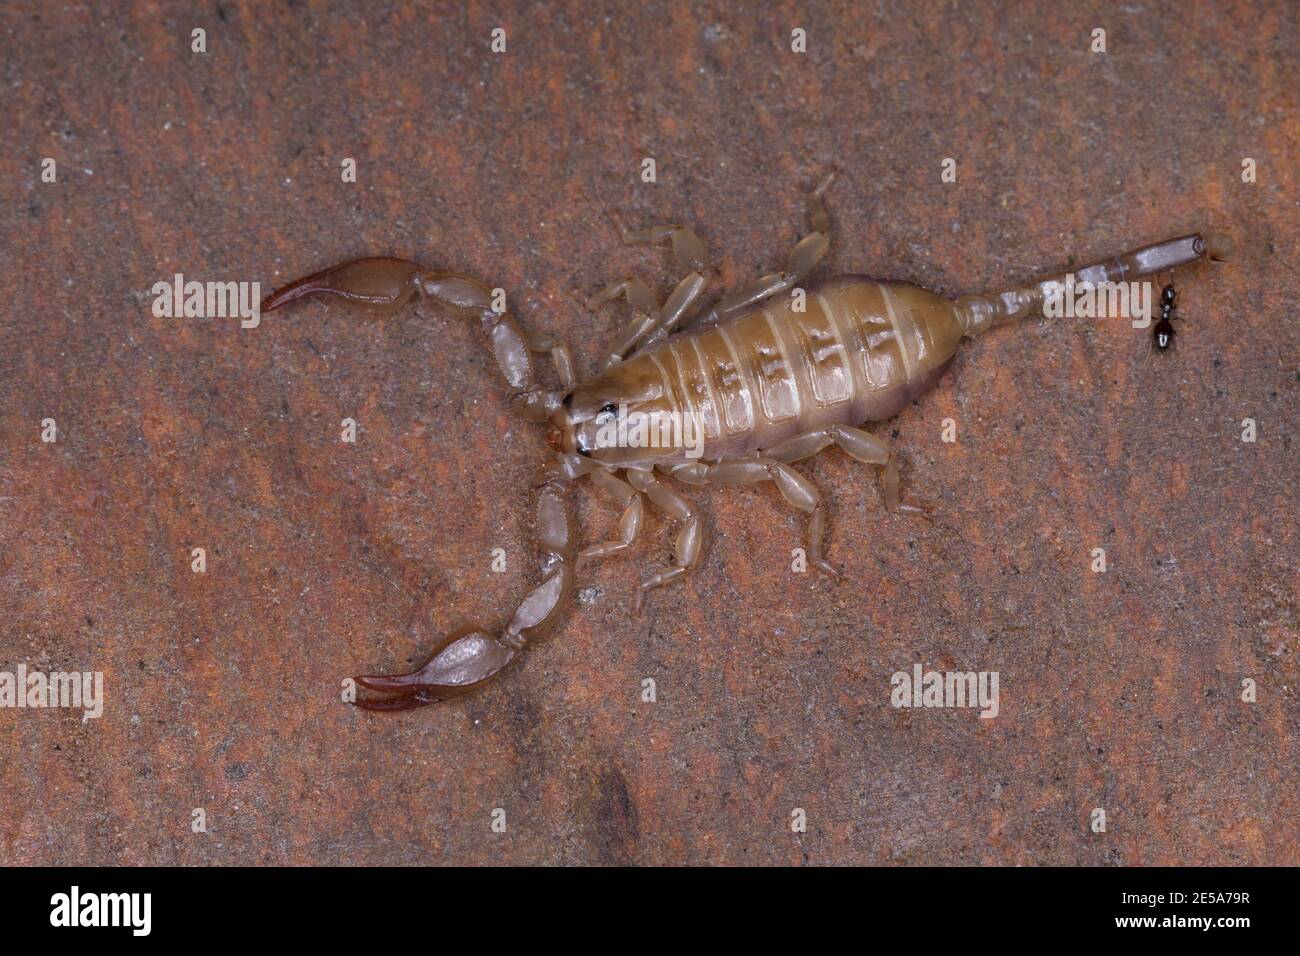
{"x": 606, "y": 413}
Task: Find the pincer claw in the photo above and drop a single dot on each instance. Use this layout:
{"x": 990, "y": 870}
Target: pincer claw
{"x": 461, "y": 663}
{"x": 379, "y": 285}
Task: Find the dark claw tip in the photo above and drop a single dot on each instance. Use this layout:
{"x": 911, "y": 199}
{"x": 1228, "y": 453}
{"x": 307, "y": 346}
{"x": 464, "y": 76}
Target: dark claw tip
{"x": 389, "y": 682}
{"x": 407, "y": 701}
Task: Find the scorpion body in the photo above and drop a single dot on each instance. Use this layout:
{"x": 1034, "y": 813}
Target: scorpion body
{"x": 772, "y": 374}
{"x": 846, "y": 351}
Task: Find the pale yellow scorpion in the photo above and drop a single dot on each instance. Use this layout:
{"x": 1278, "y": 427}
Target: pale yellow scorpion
{"x": 771, "y": 374}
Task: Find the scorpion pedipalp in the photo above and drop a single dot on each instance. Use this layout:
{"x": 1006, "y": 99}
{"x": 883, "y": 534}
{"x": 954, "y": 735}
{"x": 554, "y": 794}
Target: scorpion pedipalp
{"x": 471, "y": 657}
{"x": 380, "y": 285}
{"x": 462, "y": 662}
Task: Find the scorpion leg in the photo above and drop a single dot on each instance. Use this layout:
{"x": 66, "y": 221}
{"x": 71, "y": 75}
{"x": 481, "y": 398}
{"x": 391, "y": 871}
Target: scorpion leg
{"x": 384, "y": 285}
{"x": 470, "y": 658}
{"x": 686, "y": 550}
{"x": 629, "y": 525}
{"x": 676, "y": 308}
{"x": 818, "y": 221}
{"x": 561, "y": 357}
{"x": 688, "y": 248}
{"x": 794, "y": 487}
{"x": 856, "y": 443}
{"x": 645, "y": 313}
{"x": 648, "y": 322}
{"x": 650, "y": 319}
{"x": 802, "y": 260}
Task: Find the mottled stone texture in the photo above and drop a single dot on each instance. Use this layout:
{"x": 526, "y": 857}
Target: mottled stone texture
{"x": 1118, "y": 690}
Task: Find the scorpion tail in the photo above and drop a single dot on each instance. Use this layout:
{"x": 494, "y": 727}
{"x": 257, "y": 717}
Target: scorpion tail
{"x": 978, "y": 313}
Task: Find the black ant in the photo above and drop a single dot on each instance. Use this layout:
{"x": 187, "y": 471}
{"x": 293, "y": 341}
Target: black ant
{"x": 1162, "y": 334}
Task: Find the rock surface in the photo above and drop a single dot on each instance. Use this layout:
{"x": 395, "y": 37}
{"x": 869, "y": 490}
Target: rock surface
{"x": 1119, "y": 690}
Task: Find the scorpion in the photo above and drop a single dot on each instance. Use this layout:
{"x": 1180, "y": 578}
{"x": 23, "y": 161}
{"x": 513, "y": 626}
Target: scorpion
{"x": 771, "y": 374}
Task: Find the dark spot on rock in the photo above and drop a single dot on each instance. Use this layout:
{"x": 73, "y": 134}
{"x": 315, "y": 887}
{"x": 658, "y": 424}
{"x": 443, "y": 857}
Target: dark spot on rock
{"x": 617, "y": 827}
{"x": 236, "y": 771}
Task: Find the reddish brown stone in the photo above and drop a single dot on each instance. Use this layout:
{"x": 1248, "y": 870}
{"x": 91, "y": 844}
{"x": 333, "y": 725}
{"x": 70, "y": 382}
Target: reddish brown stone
{"x": 1119, "y": 690}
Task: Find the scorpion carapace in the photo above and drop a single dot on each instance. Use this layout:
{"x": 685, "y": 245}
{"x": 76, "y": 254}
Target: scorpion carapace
{"x": 771, "y": 374}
